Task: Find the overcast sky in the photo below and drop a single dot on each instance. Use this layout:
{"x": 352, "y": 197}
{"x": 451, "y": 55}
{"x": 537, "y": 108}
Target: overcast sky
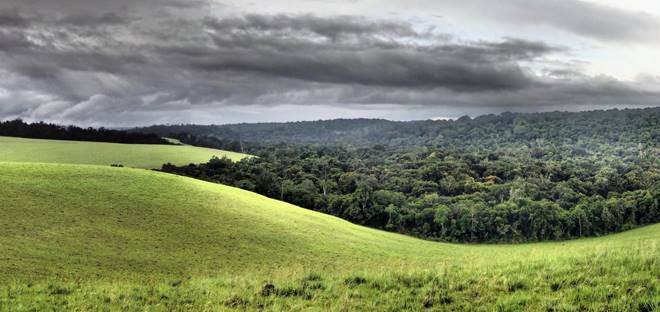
{"x": 140, "y": 62}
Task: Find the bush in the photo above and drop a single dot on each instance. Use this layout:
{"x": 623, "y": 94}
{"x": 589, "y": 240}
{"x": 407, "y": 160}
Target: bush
{"x": 268, "y": 289}
{"x": 355, "y": 281}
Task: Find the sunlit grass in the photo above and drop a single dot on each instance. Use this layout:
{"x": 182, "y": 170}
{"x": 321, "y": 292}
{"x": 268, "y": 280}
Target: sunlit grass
{"x": 89, "y": 237}
{"x": 95, "y": 153}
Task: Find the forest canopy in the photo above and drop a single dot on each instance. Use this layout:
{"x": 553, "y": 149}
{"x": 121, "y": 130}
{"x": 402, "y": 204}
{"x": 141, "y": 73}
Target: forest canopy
{"x": 504, "y": 178}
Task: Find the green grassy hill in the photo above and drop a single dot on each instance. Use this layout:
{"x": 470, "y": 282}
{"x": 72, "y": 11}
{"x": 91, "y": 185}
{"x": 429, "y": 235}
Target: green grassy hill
{"x": 90, "y": 237}
{"x": 95, "y": 153}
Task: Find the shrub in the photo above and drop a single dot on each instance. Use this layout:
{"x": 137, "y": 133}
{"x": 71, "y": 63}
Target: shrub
{"x": 355, "y": 281}
{"x": 515, "y": 286}
{"x": 268, "y": 289}
{"x": 290, "y": 292}
{"x": 60, "y": 291}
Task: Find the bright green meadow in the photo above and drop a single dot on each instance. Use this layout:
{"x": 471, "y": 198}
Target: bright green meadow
{"x": 81, "y": 238}
{"x": 105, "y": 154}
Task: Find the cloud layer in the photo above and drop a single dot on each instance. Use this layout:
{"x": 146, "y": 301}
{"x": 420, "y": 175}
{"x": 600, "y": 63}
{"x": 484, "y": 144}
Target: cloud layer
{"x": 582, "y": 18}
{"x": 140, "y": 62}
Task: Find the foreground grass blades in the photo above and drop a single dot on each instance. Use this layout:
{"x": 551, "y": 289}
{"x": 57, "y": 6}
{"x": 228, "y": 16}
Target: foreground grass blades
{"x": 621, "y": 281}
{"x": 82, "y": 237}
{"x": 105, "y": 154}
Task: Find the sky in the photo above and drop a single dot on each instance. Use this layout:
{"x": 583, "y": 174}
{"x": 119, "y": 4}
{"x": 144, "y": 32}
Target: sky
{"x": 141, "y": 62}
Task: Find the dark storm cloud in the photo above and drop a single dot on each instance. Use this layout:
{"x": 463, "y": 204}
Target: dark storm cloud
{"x": 12, "y": 41}
{"x": 74, "y": 7}
{"x": 330, "y": 28}
{"x": 518, "y": 49}
{"x": 13, "y": 19}
{"x": 350, "y": 50}
{"x": 111, "y": 18}
{"x": 583, "y": 92}
{"x": 125, "y": 61}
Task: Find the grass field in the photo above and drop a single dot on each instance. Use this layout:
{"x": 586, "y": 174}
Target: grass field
{"x": 94, "y": 153}
{"x": 80, "y": 237}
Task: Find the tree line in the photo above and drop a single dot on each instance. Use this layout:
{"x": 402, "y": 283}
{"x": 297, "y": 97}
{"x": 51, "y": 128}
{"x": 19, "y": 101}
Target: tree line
{"x": 41, "y": 130}
{"x": 579, "y": 132}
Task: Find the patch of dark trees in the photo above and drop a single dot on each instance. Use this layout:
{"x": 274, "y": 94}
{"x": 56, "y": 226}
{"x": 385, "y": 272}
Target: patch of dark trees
{"x": 41, "y": 130}
{"x": 509, "y": 178}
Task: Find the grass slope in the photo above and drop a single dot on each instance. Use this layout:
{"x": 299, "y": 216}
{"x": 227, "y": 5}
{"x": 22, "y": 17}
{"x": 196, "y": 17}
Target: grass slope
{"x": 89, "y": 237}
{"x": 95, "y": 153}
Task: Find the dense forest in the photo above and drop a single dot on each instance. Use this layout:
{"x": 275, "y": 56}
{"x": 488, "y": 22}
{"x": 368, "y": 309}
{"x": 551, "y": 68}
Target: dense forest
{"x": 488, "y": 133}
{"x": 505, "y": 178}
{"x": 41, "y": 130}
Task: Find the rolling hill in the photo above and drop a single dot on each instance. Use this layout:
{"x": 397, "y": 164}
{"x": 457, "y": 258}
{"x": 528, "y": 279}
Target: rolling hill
{"x": 94, "y": 153}
{"x": 90, "y": 237}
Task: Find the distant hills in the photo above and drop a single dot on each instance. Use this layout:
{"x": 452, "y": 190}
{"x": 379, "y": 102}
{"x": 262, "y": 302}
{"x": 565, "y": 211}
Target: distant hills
{"x": 486, "y": 132}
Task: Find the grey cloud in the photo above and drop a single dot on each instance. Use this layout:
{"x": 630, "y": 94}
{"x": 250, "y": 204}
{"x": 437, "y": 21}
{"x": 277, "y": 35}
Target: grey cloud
{"x": 12, "y": 41}
{"x": 522, "y": 49}
{"x": 564, "y": 73}
{"x": 23, "y": 20}
{"x": 116, "y": 66}
{"x": 13, "y": 19}
{"x": 375, "y": 68}
{"x": 110, "y": 18}
{"x": 76, "y": 7}
{"x": 295, "y": 47}
{"x": 331, "y": 28}
{"x": 583, "y": 92}
{"x": 583, "y": 18}
{"x": 598, "y": 21}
